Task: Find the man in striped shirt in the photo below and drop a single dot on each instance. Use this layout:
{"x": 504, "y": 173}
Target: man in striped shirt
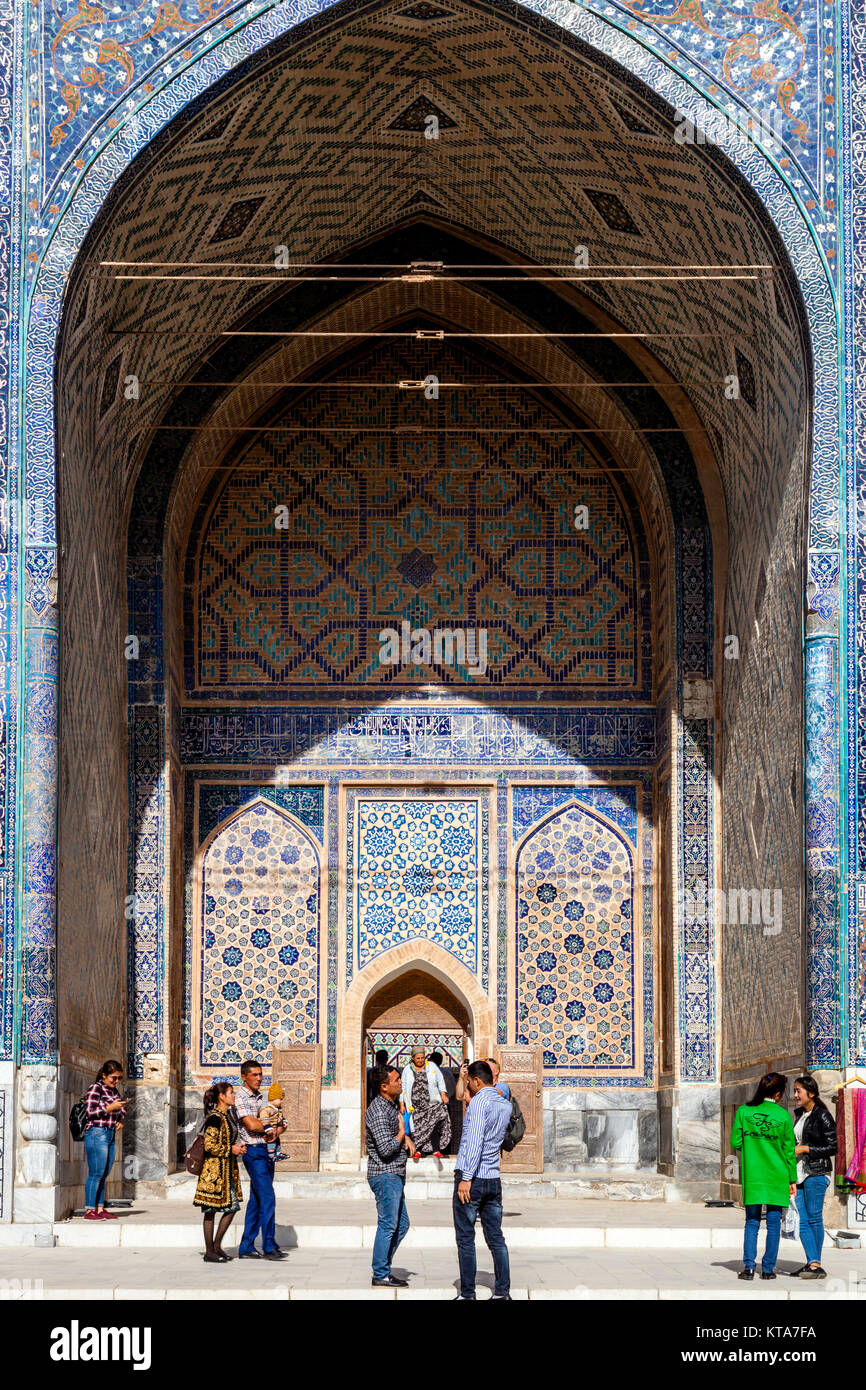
{"x": 478, "y": 1188}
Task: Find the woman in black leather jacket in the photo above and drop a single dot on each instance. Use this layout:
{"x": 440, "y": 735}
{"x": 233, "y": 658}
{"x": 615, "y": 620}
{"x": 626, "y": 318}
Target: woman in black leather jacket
{"x": 815, "y": 1135}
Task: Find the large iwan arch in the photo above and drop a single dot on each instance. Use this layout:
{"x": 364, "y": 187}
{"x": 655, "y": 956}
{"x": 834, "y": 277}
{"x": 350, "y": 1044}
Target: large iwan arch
{"x": 717, "y": 485}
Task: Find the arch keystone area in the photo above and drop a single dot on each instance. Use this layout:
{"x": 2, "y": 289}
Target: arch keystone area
{"x": 408, "y": 955}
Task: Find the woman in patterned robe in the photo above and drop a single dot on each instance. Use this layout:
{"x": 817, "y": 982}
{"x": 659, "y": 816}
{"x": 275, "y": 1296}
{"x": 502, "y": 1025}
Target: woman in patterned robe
{"x": 425, "y": 1096}
{"x": 219, "y": 1184}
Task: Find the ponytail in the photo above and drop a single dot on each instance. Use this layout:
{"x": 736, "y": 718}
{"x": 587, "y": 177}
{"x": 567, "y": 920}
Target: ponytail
{"x": 212, "y": 1095}
{"x": 769, "y": 1086}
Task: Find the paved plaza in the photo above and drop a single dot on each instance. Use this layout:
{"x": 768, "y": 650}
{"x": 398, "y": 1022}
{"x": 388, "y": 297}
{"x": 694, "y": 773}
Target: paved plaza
{"x": 559, "y": 1250}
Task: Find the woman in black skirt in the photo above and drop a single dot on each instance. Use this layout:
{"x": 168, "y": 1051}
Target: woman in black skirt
{"x": 219, "y": 1186}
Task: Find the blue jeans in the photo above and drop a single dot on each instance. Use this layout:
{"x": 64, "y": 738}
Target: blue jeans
{"x": 99, "y": 1149}
{"x": 485, "y": 1201}
{"x": 261, "y": 1204}
{"x": 810, "y": 1205}
{"x": 389, "y": 1189}
{"x": 771, "y": 1247}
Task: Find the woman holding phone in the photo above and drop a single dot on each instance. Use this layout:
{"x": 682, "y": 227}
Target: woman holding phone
{"x": 815, "y": 1134}
{"x": 106, "y": 1111}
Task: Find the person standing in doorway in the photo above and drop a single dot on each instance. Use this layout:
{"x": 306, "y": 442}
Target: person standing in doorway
{"x": 388, "y": 1146}
{"x": 261, "y": 1205}
{"x": 425, "y": 1097}
{"x": 477, "y": 1182}
{"x": 380, "y": 1060}
{"x": 106, "y": 1111}
{"x": 764, "y": 1135}
{"x": 816, "y": 1143}
{"x": 218, "y": 1190}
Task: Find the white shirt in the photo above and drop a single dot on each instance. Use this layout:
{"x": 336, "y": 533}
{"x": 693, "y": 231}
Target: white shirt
{"x": 799, "y": 1126}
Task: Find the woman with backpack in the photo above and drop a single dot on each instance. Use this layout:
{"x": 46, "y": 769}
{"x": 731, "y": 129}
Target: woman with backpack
{"x": 105, "y": 1112}
{"x": 815, "y": 1136}
{"x": 219, "y": 1185}
{"x": 764, "y": 1135}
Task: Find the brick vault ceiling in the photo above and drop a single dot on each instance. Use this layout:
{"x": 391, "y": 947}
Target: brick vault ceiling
{"x": 542, "y": 146}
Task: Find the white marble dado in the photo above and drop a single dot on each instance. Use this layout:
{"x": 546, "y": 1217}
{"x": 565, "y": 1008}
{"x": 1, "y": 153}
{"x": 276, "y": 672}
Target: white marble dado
{"x": 340, "y": 1100}
{"x": 35, "y": 1205}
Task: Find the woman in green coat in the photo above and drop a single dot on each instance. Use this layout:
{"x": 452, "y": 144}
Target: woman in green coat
{"x": 764, "y": 1135}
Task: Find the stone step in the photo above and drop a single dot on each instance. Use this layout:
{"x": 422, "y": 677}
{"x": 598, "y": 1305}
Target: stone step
{"x": 140, "y": 1235}
{"x": 426, "y": 1182}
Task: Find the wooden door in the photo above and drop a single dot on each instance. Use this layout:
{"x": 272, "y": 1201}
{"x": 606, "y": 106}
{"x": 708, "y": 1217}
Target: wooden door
{"x": 521, "y": 1069}
{"x": 298, "y": 1069}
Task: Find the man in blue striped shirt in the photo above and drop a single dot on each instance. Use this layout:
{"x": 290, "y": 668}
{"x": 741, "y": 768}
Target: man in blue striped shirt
{"x": 478, "y": 1188}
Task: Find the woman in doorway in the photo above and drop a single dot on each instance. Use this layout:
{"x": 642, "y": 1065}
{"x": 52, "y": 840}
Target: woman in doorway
{"x": 426, "y": 1099}
{"x": 219, "y": 1186}
{"x": 764, "y": 1135}
{"x": 106, "y": 1111}
{"x": 815, "y": 1137}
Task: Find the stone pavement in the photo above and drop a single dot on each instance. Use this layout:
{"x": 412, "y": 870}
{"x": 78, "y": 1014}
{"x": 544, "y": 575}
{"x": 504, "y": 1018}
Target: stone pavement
{"x": 311, "y": 1275}
{"x": 559, "y": 1249}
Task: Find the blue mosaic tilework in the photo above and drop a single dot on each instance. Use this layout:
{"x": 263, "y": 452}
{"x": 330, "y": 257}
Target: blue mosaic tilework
{"x": 824, "y": 1042}
{"x": 146, "y": 926}
{"x": 399, "y": 1046}
{"x": 204, "y": 802}
{"x": 697, "y": 946}
{"x": 617, "y": 804}
{"x": 576, "y": 992}
{"x": 542, "y": 806}
{"x": 306, "y": 804}
{"x": 258, "y": 937}
{"x": 601, "y": 737}
{"x": 97, "y": 70}
{"x": 417, "y": 868}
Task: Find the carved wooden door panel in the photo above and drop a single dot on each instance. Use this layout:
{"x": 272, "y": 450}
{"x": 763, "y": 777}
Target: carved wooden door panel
{"x": 521, "y": 1069}
{"x": 298, "y": 1069}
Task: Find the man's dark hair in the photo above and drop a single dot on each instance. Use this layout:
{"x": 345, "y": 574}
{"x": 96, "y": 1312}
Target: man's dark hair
{"x": 379, "y": 1077}
{"x": 480, "y": 1071}
{"x": 382, "y": 1057}
{"x": 436, "y": 1058}
{"x": 248, "y": 1065}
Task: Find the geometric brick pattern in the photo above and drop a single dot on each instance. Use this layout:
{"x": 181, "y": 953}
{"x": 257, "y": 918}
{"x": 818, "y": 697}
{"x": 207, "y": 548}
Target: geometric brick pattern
{"x": 299, "y": 607}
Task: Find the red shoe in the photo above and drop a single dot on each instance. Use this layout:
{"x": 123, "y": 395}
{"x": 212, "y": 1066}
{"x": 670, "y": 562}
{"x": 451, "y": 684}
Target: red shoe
{"x": 108, "y": 1215}
{"x": 437, "y": 1154}
{"x": 92, "y": 1215}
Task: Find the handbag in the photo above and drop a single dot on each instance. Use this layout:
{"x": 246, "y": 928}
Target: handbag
{"x": 194, "y": 1157}
{"x": 791, "y": 1223}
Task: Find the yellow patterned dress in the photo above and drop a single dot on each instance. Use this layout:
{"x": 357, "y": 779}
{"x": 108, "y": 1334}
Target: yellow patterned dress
{"x": 219, "y": 1183}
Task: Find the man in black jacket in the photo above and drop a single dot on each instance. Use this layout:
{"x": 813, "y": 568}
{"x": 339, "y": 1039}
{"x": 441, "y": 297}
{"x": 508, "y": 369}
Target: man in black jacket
{"x": 815, "y": 1135}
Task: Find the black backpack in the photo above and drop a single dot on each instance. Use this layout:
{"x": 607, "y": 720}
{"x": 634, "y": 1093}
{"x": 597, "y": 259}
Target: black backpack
{"x": 516, "y": 1127}
{"x": 78, "y": 1120}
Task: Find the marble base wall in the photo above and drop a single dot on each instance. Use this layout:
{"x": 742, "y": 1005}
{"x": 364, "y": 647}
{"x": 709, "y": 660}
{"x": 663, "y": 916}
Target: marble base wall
{"x": 7, "y": 1138}
{"x": 608, "y": 1130}
{"x": 690, "y": 1131}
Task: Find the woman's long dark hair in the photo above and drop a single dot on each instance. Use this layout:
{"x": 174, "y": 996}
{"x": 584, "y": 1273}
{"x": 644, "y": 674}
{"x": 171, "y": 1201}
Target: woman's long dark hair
{"x": 810, "y": 1086}
{"x": 773, "y": 1084}
{"x": 108, "y": 1067}
{"x": 211, "y": 1096}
